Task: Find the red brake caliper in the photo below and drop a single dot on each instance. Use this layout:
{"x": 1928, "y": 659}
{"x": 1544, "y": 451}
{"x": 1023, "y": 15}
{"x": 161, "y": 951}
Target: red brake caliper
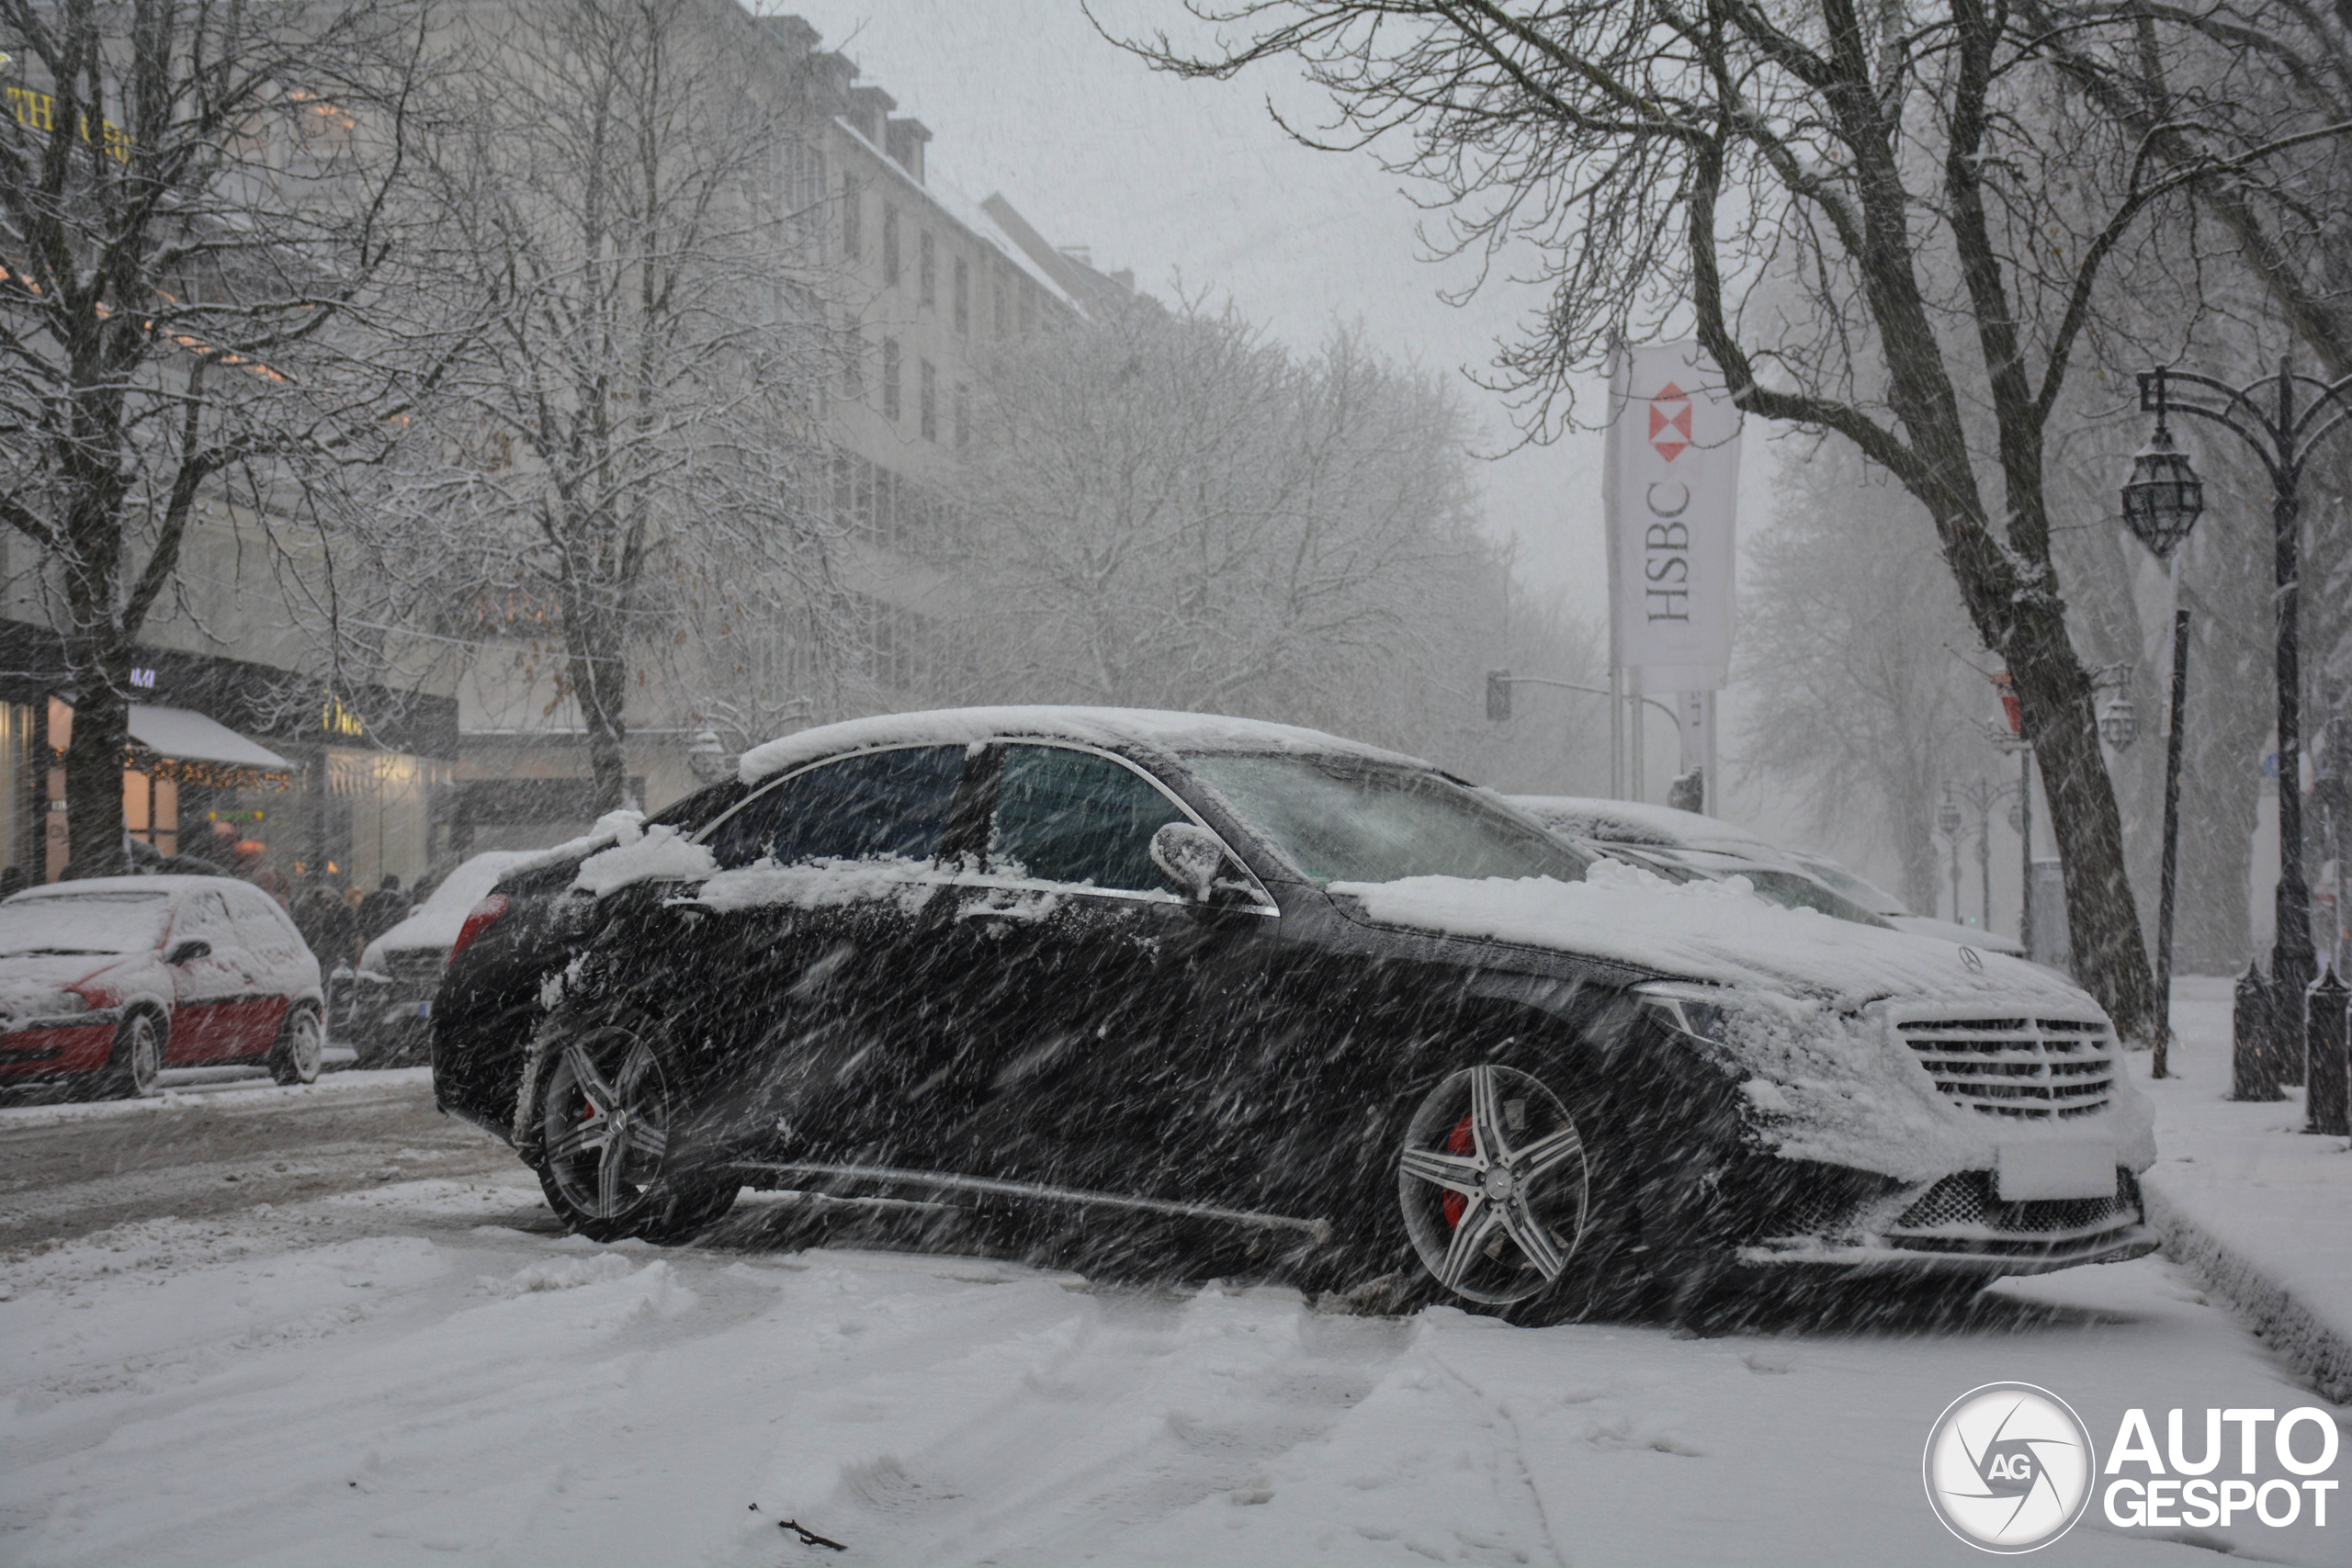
{"x": 1458, "y": 1142}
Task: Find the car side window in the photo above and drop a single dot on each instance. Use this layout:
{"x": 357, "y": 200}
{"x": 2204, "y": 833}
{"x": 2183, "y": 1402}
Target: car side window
{"x": 1070, "y": 815}
{"x": 262, "y": 925}
{"x": 876, "y": 806}
{"x": 203, "y": 915}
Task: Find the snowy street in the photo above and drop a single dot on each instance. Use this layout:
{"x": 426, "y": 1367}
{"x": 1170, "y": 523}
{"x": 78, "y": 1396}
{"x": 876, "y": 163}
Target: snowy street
{"x": 406, "y": 1362}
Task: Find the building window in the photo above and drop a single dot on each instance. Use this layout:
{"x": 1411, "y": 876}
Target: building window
{"x": 963, "y": 296}
{"x": 891, "y": 378}
{"x": 853, "y": 364}
{"x": 890, "y": 245}
{"x": 997, "y": 282}
{"x": 1028, "y": 311}
{"x": 963, "y": 416}
{"x": 930, "y": 402}
{"x": 852, "y": 220}
{"x": 929, "y": 265}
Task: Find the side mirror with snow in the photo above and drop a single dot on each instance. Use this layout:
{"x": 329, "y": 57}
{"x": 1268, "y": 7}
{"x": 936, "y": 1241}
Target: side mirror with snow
{"x": 189, "y": 951}
{"x": 1195, "y": 864}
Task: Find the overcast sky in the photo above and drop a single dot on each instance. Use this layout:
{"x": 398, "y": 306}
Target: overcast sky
{"x": 1193, "y": 180}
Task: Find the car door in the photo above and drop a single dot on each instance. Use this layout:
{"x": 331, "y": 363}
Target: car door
{"x": 207, "y": 990}
{"x": 805, "y": 946}
{"x": 1075, "y": 969}
{"x": 278, "y": 963}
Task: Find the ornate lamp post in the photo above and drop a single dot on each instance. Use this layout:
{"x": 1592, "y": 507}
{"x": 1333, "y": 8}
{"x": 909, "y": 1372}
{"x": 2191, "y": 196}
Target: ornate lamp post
{"x": 2162, "y": 501}
{"x": 2266, "y": 416}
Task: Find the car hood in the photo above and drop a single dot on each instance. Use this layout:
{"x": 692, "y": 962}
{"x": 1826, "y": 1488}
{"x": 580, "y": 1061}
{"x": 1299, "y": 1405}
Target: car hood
{"x": 1944, "y": 930}
{"x": 1716, "y": 932}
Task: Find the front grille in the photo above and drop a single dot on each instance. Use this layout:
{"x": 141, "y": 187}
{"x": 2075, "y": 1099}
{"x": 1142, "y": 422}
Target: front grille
{"x": 2035, "y": 1069}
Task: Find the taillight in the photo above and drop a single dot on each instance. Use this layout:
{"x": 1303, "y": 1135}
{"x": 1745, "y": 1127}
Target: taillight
{"x": 479, "y": 918}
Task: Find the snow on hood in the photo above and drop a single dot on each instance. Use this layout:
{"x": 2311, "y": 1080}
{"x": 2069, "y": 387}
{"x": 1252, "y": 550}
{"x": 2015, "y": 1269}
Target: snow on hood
{"x": 1173, "y": 732}
{"x": 1636, "y": 822}
{"x": 435, "y": 922}
{"x": 1717, "y": 931}
{"x": 27, "y": 983}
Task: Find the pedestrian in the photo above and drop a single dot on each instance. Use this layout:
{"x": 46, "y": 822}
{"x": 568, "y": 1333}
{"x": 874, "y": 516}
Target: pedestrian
{"x": 327, "y": 924}
{"x": 382, "y": 910}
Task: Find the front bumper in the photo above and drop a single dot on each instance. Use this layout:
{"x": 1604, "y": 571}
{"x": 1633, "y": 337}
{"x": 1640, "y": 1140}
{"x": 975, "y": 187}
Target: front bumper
{"x": 1957, "y": 1226}
{"x": 46, "y": 1047}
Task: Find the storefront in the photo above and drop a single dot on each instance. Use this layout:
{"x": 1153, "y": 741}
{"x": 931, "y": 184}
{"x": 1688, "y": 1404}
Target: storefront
{"x": 245, "y": 765}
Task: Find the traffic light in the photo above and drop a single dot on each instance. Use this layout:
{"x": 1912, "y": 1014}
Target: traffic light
{"x": 1497, "y": 695}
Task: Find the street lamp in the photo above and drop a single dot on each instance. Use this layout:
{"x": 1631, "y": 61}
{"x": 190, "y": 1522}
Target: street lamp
{"x": 2119, "y": 723}
{"x": 1948, "y": 822}
{"x": 2264, "y": 414}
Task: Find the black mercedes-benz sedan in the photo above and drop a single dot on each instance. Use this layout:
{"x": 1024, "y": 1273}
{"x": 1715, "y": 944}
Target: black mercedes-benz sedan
{"x": 1151, "y": 968}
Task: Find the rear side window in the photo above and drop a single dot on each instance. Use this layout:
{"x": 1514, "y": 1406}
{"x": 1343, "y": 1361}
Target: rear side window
{"x": 1068, "y": 816}
{"x": 876, "y": 806}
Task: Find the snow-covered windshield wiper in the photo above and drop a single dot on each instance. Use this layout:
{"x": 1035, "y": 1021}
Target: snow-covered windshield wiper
{"x": 56, "y": 952}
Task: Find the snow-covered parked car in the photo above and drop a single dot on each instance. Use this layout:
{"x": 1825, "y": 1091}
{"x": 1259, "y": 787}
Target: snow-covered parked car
{"x": 1171, "y": 969}
{"x": 386, "y": 1015}
{"x": 114, "y": 983}
{"x": 1713, "y": 848}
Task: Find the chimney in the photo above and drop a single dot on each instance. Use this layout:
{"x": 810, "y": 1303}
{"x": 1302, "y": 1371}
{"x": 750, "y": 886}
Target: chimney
{"x": 834, "y": 72}
{"x": 867, "y": 108}
{"x": 906, "y": 146}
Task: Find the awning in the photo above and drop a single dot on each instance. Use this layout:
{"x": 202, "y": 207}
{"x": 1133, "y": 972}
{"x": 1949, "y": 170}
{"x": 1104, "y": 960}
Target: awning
{"x": 188, "y": 737}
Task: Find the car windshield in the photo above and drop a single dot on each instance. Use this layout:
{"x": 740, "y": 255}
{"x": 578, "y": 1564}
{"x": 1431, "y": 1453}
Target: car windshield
{"x": 82, "y": 923}
{"x": 1351, "y": 819}
{"x": 1870, "y": 896}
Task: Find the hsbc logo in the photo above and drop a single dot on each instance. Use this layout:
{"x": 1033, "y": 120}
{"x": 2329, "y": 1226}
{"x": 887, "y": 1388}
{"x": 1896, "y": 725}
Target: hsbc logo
{"x": 1671, "y": 419}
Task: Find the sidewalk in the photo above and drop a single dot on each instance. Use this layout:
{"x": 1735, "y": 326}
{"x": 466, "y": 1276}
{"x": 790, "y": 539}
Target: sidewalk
{"x": 2243, "y": 1196}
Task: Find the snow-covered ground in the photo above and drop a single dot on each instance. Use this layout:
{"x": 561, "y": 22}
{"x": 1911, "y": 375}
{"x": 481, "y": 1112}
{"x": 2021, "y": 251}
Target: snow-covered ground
{"x": 423, "y": 1371}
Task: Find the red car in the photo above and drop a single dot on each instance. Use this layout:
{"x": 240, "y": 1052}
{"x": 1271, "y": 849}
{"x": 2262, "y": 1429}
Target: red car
{"x": 111, "y": 983}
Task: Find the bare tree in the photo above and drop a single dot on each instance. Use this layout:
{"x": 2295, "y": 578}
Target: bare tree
{"x": 1171, "y": 510}
{"x": 1797, "y": 183}
{"x": 628, "y": 465}
{"x": 192, "y": 220}
{"x": 1849, "y": 646}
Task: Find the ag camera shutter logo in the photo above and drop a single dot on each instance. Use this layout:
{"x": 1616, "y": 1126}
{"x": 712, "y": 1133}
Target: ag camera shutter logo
{"x": 2009, "y": 1467}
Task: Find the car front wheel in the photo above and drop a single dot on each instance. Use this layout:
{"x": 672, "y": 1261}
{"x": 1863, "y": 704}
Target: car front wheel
{"x": 136, "y": 1068}
{"x": 606, "y": 1158}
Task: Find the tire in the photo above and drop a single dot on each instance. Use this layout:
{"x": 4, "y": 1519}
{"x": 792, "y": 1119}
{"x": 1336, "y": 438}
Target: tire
{"x": 1497, "y": 1192}
{"x": 605, "y": 1114}
{"x": 136, "y": 1065}
{"x": 301, "y": 1044}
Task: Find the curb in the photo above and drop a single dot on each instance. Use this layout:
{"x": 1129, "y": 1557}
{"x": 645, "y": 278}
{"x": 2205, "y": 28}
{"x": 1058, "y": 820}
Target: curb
{"x": 2313, "y": 1348}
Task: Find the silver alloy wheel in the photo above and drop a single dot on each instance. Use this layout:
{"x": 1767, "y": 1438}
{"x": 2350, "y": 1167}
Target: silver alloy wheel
{"x": 303, "y": 1049}
{"x": 604, "y": 1130}
{"x": 143, "y": 1054}
{"x": 1495, "y": 1184}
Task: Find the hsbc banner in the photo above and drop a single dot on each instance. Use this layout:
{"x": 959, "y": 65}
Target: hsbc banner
{"x": 1670, "y": 482}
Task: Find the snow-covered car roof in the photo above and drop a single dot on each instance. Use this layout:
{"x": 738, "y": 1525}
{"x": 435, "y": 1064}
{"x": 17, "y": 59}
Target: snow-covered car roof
{"x": 1632, "y": 822}
{"x": 84, "y": 886}
{"x": 1117, "y": 728}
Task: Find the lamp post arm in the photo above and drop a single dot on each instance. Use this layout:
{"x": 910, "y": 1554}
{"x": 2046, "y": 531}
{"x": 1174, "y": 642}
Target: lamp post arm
{"x": 2281, "y": 444}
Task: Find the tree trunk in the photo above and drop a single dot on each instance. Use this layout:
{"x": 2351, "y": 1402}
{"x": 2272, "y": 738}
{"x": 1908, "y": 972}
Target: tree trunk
{"x": 2102, "y": 917}
{"x": 600, "y": 684}
{"x": 94, "y": 778}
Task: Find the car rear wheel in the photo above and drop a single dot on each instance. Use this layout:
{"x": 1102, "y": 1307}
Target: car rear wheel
{"x": 136, "y": 1068}
{"x": 301, "y": 1046}
{"x": 607, "y": 1114}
